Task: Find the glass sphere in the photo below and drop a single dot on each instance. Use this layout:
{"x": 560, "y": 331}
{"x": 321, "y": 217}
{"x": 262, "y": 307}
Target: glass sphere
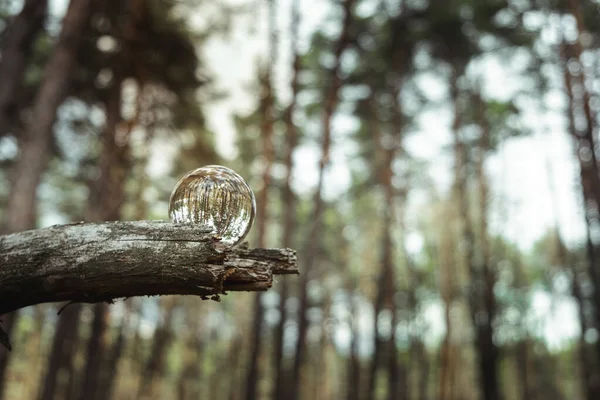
{"x": 215, "y": 196}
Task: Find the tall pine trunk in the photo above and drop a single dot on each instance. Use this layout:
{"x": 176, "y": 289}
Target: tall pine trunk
{"x": 488, "y": 351}
{"x": 387, "y": 277}
{"x": 109, "y": 374}
{"x": 588, "y": 177}
{"x": 35, "y": 150}
{"x": 36, "y": 140}
{"x": 105, "y": 200}
{"x": 418, "y": 362}
{"x": 152, "y": 376}
{"x": 353, "y": 375}
{"x": 189, "y": 384}
{"x": 267, "y": 110}
{"x": 18, "y": 43}
{"x": 107, "y": 195}
{"x": 481, "y": 300}
{"x": 289, "y": 210}
{"x": 63, "y": 347}
{"x": 586, "y": 152}
{"x": 314, "y": 235}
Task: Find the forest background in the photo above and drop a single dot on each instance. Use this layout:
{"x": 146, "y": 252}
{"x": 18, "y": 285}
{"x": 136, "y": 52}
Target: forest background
{"x": 434, "y": 163}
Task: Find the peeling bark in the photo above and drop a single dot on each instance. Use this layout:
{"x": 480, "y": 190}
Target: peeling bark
{"x": 93, "y": 263}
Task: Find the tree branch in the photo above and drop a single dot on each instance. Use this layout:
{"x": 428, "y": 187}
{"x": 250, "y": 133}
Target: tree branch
{"x": 100, "y": 262}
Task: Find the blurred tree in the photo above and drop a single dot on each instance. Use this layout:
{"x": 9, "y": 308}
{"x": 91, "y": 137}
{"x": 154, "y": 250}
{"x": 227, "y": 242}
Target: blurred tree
{"x": 267, "y": 116}
{"x": 17, "y": 47}
{"x": 37, "y": 137}
{"x": 289, "y": 207}
{"x": 35, "y": 141}
{"x": 331, "y": 93}
{"x": 388, "y": 125}
{"x": 189, "y": 385}
{"x": 590, "y": 183}
{"x": 154, "y": 370}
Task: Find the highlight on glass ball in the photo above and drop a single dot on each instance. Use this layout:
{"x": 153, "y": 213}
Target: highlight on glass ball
{"x": 215, "y": 196}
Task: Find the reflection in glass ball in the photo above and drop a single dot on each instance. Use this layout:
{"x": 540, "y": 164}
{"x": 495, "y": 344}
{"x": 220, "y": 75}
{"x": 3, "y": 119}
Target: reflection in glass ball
{"x": 215, "y": 196}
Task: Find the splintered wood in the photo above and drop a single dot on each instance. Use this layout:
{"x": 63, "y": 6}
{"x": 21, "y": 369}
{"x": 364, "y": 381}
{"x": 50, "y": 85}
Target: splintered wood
{"x": 101, "y": 262}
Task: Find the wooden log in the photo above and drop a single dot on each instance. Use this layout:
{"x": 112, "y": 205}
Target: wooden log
{"x": 91, "y": 263}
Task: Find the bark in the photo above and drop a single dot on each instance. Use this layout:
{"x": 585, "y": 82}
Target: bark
{"x": 63, "y": 348}
{"x": 267, "y": 118}
{"x": 18, "y": 42}
{"x": 289, "y": 212}
{"x": 100, "y": 262}
{"x": 310, "y": 250}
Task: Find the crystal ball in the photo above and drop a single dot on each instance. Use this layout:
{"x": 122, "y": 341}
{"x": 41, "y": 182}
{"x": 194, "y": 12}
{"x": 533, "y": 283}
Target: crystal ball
{"x": 217, "y": 197}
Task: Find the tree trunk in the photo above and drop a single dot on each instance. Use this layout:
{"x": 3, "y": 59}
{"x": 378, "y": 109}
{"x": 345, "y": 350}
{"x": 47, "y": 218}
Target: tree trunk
{"x": 101, "y": 207}
{"x": 417, "y": 352}
{"x": 34, "y": 154}
{"x": 107, "y": 195}
{"x": 190, "y": 381}
{"x": 488, "y": 351}
{"x": 63, "y": 348}
{"x": 447, "y": 279}
{"x": 387, "y": 280}
{"x": 37, "y": 137}
{"x": 310, "y": 250}
{"x": 289, "y": 209}
{"x": 18, "y": 42}
{"x": 8, "y": 323}
{"x": 589, "y": 178}
{"x": 235, "y": 366}
{"x": 353, "y": 378}
{"x": 321, "y": 369}
{"x": 267, "y": 117}
{"x": 589, "y": 173}
{"x": 109, "y": 375}
{"x": 95, "y": 355}
{"x": 578, "y": 47}
{"x": 481, "y": 297}
{"x": 150, "y": 384}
